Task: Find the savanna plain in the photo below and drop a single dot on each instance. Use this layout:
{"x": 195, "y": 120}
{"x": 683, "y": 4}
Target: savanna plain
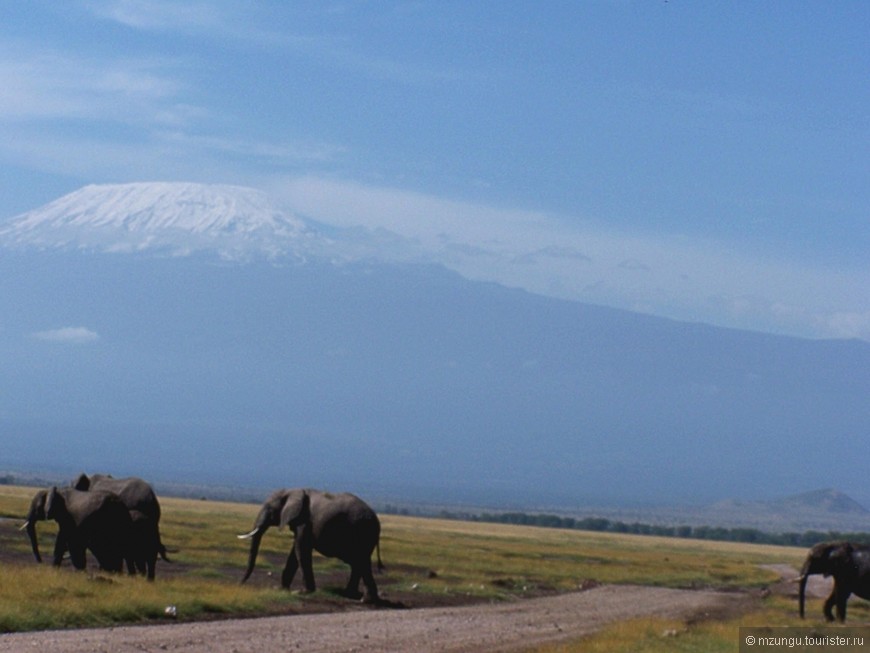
{"x": 429, "y": 563}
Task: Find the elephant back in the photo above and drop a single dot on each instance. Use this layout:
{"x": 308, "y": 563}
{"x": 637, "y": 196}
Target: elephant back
{"x": 99, "y": 503}
{"x": 137, "y": 494}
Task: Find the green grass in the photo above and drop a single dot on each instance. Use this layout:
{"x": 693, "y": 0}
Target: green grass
{"x": 41, "y": 597}
{"x": 447, "y": 560}
{"x": 493, "y": 556}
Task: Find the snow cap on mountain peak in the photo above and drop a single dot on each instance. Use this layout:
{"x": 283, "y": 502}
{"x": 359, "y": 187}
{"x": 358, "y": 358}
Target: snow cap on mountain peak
{"x": 171, "y": 216}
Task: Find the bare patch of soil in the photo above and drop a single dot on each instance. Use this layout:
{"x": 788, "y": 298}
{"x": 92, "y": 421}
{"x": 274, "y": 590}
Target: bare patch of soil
{"x": 510, "y": 626}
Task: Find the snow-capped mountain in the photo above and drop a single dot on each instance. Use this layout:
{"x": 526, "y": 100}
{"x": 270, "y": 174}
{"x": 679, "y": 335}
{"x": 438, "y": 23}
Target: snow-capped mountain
{"x": 385, "y": 376}
{"x": 176, "y": 218}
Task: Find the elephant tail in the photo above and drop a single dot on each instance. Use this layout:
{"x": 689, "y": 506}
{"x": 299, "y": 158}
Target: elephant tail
{"x": 380, "y": 564}
{"x": 163, "y": 551}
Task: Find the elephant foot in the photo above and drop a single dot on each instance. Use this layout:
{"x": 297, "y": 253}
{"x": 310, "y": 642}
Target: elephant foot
{"x": 356, "y": 595}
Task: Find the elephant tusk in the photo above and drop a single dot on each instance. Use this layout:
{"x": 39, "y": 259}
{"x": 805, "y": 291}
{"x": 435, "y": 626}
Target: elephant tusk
{"x": 247, "y": 536}
{"x": 26, "y": 524}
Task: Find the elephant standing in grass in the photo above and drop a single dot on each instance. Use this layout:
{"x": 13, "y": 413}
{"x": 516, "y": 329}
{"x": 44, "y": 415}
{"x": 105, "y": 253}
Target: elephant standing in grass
{"x": 848, "y": 563}
{"x": 139, "y": 498}
{"x": 98, "y": 521}
{"x": 339, "y": 526}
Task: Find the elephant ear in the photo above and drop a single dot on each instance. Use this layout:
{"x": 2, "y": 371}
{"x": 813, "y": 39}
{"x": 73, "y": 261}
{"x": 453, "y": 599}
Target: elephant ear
{"x": 296, "y": 510}
{"x": 51, "y": 502}
{"x": 37, "y": 506}
{"x": 840, "y": 556}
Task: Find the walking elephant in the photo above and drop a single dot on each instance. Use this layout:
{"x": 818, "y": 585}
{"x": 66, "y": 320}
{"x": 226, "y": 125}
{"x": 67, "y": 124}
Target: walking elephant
{"x": 139, "y": 498}
{"x": 98, "y": 521}
{"x": 848, "y": 563}
{"x": 339, "y": 526}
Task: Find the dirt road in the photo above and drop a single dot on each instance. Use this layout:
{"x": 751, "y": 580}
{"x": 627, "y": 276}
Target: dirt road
{"x": 494, "y": 627}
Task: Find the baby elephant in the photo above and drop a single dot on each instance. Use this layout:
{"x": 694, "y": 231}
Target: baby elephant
{"x": 339, "y": 526}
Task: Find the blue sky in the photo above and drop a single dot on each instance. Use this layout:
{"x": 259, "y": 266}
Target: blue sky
{"x": 705, "y": 161}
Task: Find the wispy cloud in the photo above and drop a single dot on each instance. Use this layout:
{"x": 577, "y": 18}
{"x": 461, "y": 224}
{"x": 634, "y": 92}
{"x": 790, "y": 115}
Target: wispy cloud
{"x": 225, "y": 21}
{"x": 671, "y": 276}
{"x": 147, "y": 120}
{"x": 161, "y": 15}
{"x": 276, "y": 152}
{"x": 68, "y": 335}
{"x": 41, "y": 84}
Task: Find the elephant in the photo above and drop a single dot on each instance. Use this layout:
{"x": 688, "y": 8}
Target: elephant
{"x": 141, "y": 501}
{"x": 98, "y": 521}
{"x": 339, "y": 526}
{"x": 848, "y": 563}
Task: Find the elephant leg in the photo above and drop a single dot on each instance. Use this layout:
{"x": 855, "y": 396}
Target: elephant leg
{"x": 152, "y": 565}
{"x": 303, "y": 546}
{"x": 829, "y": 604}
{"x": 352, "y": 589}
{"x": 289, "y": 569}
{"x": 842, "y": 597}
{"x": 307, "y": 564}
{"x": 77, "y": 555}
{"x": 371, "y": 595}
{"x": 60, "y": 546}
{"x": 151, "y": 552}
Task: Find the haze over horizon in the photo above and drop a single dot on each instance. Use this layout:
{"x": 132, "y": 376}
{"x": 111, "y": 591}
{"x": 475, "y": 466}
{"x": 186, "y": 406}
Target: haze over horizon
{"x": 698, "y": 162}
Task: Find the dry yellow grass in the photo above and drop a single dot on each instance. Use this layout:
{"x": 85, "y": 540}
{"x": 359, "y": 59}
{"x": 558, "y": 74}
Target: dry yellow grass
{"x": 429, "y": 555}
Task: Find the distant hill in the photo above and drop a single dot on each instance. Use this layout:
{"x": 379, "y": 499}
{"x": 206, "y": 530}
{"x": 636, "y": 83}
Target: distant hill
{"x": 826, "y": 501}
{"x": 822, "y": 510}
{"x": 826, "y": 509}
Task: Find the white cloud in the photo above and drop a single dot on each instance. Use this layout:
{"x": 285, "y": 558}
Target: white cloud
{"x": 70, "y": 335}
{"x": 227, "y": 22}
{"x": 672, "y": 276}
{"x": 41, "y": 84}
{"x": 282, "y": 153}
{"x": 847, "y": 325}
{"x": 160, "y": 15}
{"x": 51, "y": 98}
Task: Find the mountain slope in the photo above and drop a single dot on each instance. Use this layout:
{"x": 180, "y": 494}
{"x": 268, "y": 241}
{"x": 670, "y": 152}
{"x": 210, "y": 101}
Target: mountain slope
{"x": 406, "y": 380}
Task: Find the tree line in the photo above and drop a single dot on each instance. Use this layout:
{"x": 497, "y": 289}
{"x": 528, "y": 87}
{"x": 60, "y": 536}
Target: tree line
{"x": 718, "y": 533}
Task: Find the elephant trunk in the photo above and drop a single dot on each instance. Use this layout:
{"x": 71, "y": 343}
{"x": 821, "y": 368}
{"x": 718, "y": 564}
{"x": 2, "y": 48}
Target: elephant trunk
{"x": 802, "y": 593}
{"x": 255, "y": 535}
{"x": 30, "y": 527}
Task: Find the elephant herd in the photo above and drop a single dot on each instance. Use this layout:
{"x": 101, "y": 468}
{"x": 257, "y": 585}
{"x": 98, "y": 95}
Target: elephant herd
{"x": 118, "y": 521}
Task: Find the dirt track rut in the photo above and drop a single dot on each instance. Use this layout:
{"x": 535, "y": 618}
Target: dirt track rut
{"x": 495, "y": 627}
